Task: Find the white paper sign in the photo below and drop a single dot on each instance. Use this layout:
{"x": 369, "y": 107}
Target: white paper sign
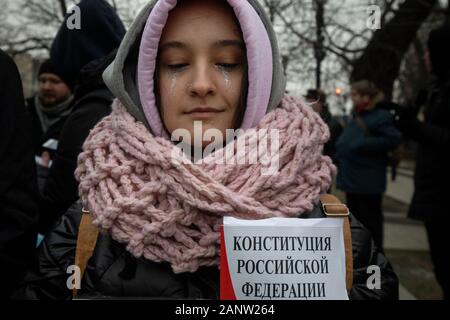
{"x": 51, "y": 144}
{"x": 285, "y": 258}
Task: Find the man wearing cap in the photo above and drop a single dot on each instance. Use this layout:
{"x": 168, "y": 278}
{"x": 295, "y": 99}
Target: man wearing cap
{"x": 49, "y": 108}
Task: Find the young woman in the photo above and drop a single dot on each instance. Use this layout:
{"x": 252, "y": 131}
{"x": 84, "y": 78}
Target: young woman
{"x": 215, "y": 63}
{"x": 362, "y": 154}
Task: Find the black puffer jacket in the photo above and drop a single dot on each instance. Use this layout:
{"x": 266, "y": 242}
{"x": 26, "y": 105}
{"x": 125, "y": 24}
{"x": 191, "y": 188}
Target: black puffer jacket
{"x": 18, "y": 187}
{"x": 113, "y": 272}
{"x": 92, "y": 102}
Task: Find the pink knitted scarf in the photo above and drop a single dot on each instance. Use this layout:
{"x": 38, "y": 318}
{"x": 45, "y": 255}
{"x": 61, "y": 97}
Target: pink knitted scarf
{"x": 169, "y": 211}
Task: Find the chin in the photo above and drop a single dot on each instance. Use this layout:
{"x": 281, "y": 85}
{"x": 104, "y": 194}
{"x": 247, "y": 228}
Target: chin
{"x": 48, "y": 104}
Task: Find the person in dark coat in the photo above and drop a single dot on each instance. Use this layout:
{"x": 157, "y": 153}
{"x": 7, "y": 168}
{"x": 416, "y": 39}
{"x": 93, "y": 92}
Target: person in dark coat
{"x": 80, "y": 56}
{"x": 361, "y": 155}
{"x": 49, "y": 109}
{"x": 92, "y": 102}
{"x": 100, "y": 33}
{"x": 432, "y": 172}
{"x": 50, "y": 106}
{"x": 18, "y": 188}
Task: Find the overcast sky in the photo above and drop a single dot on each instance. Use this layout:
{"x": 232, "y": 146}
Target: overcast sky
{"x": 351, "y": 13}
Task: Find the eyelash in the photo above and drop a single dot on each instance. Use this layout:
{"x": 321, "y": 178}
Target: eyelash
{"x": 179, "y": 66}
{"x": 228, "y": 66}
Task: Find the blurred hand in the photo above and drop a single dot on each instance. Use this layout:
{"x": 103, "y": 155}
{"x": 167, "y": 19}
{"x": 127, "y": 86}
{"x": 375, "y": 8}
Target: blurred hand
{"x": 45, "y": 159}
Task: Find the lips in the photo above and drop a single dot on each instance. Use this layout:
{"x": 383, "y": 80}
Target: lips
{"x": 203, "y": 109}
{"x": 47, "y": 95}
{"x": 203, "y": 112}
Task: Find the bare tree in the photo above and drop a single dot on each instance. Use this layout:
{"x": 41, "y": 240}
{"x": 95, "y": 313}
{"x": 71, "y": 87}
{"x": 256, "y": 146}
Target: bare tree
{"x": 330, "y": 43}
{"x": 317, "y": 49}
{"x": 63, "y": 6}
{"x": 319, "y": 52}
{"x": 413, "y": 76}
{"x": 323, "y": 43}
{"x": 33, "y": 23}
{"x": 381, "y": 59}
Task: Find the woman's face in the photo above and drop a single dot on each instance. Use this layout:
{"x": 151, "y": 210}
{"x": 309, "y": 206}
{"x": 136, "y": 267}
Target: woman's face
{"x": 358, "y": 99}
{"x": 201, "y": 65}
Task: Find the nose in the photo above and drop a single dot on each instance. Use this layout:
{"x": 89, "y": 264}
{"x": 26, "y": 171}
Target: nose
{"x": 46, "y": 85}
{"x": 202, "y": 82}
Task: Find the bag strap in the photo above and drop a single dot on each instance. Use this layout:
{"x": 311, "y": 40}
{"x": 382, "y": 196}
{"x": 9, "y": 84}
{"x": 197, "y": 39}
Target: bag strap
{"x": 86, "y": 241}
{"x": 360, "y": 122}
{"x": 334, "y": 208}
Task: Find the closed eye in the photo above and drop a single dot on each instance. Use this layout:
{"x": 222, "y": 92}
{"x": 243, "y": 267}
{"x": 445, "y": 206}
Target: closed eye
{"x": 228, "y": 66}
{"x": 177, "y": 66}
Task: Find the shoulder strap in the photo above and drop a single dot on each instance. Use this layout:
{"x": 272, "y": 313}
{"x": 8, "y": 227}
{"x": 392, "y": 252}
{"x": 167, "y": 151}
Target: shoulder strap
{"x": 360, "y": 122}
{"x": 87, "y": 238}
{"x": 332, "y": 207}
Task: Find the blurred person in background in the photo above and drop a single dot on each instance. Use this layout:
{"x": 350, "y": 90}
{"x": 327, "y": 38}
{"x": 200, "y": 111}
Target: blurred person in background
{"x": 49, "y": 110}
{"x": 81, "y": 57}
{"x": 432, "y": 172}
{"x": 18, "y": 188}
{"x": 362, "y": 156}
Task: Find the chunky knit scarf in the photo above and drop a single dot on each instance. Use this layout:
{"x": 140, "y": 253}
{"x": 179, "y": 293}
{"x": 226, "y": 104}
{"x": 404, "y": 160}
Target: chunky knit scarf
{"x": 171, "y": 211}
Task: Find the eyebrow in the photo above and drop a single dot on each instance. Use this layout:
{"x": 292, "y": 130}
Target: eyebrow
{"x": 172, "y": 44}
{"x": 218, "y": 44}
{"x": 227, "y": 43}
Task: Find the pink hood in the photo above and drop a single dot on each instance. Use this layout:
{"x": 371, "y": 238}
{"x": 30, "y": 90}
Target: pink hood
{"x": 266, "y": 80}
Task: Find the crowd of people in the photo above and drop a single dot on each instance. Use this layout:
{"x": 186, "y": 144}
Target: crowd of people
{"x": 95, "y": 141}
{"x": 365, "y": 147}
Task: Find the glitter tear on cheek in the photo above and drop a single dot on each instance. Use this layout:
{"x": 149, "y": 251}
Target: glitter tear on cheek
{"x": 226, "y": 77}
{"x": 173, "y": 83}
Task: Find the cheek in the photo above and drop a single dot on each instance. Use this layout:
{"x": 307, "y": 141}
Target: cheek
{"x": 61, "y": 90}
{"x": 169, "y": 93}
{"x": 231, "y": 85}
{"x": 169, "y": 87}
